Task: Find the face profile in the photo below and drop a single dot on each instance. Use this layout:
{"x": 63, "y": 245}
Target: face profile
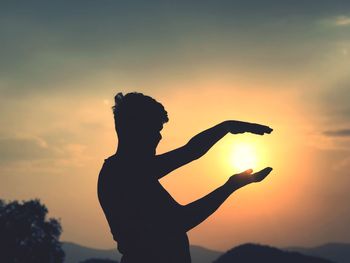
{"x": 147, "y": 223}
{"x": 149, "y": 138}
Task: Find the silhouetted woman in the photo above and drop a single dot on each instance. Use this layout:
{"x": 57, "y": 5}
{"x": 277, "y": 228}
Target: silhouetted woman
{"x": 145, "y": 221}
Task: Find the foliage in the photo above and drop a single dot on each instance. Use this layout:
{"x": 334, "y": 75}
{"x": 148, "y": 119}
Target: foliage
{"x": 26, "y": 235}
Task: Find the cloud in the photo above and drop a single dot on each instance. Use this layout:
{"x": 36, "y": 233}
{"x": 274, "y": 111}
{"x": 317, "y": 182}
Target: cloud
{"x": 24, "y": 148}
{"x": 30, "y": 151}
{"x": 338, "y": 133}
{"x": 54, "y": 47}
{"x": 342, "y": 21}
{"x": 333, "y": 98}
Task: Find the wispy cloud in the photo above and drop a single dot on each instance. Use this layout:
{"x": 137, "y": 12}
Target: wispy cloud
{"x": 24, "y": 148}
{"x": 337, "y": 133}
{"x": 342, "y": 21}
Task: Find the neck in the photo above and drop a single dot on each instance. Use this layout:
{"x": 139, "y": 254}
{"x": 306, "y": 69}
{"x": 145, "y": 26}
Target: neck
{"x": 132, "y": 150}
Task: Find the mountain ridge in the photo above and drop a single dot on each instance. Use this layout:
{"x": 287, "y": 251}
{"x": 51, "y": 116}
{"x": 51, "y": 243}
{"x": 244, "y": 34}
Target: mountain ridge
{"x": 251, "y": 253}
{"x": 334, "y": 251}
{"x": 76, "y": 253}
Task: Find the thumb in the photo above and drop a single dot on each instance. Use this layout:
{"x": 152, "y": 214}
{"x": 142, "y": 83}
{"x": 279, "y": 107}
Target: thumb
{"x": 249, "y": 171}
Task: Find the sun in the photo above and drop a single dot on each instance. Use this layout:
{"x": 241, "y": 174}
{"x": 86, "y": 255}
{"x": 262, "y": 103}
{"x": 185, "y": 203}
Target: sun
{"x": 243, "y": 152}
{"x": 243, "y": 156}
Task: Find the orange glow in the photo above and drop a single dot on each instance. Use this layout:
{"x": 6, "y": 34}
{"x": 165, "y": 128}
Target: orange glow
{"x": 243, "y": 156}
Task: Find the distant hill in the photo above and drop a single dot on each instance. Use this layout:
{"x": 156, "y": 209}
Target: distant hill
{"x": 76, "y": 253}
{"x": 332, "y": 252}
{"x": 252, "y": 253}
{"x": 203, "y": 255}
{"x": 338, "y": 252}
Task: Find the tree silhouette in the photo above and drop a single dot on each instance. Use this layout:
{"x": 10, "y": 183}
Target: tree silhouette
{"x": 26, "y": 235}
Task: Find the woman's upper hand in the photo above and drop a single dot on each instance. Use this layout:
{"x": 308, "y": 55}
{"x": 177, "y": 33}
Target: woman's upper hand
{"x": 235, "y": 127}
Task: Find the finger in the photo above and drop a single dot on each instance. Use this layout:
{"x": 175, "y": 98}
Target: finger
{"x": 259, "y": 129}
{"x": 265, "y": 129}
{"x": 253, "y": 128}
{"x": 259, "y": 176}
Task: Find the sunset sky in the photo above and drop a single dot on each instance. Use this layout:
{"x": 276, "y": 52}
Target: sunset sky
{"x": 285, "y": 64}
